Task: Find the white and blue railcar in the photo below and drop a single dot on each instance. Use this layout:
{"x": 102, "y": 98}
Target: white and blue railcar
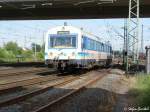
{"x": 71, "y": 47}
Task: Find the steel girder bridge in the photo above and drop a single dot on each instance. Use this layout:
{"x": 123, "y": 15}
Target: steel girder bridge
{"x": 68, "y": 9}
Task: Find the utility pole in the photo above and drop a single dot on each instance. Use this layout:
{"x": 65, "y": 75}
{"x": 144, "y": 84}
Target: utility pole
{"x": 3, "y": 41}
{"x": 123, "y": 37}
{"x": 35, "y": 44}
{"x": 134, "y": 50}
{"x": 142, "y": 40}
{"x": 35, "y": 51}
{"x": 125, "y": 44}
{"x": 25, "y": 41}
{"x": 43, "y": 38}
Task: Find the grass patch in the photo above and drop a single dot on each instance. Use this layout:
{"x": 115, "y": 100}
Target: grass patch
{"x": 141, "y": 90}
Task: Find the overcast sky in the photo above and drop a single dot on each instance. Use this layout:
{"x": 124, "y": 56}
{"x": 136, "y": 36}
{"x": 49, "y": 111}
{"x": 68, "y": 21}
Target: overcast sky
{"x": 26, "y": 32}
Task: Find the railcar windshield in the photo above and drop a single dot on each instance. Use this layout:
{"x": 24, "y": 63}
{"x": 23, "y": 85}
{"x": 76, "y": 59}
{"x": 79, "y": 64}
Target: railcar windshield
{"x": 63, "y": 41}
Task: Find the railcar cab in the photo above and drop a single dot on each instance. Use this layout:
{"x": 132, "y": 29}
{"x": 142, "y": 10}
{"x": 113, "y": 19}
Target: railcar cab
{"x": 62, "y": 44}
{"x": 70, "y": 47}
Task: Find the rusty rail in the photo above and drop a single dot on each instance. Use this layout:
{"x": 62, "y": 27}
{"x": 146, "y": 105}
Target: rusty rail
{"x": 27, "y": 82}
{"x": 46, "y": 108}
{"x": 6, "y": 69}
{"x": 34, "y": 93}
{"x": 20, "y": 73}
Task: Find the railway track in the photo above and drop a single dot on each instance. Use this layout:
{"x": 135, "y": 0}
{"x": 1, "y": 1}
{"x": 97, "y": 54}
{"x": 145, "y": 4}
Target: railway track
{"x": 22, "y": 72}
{"x": 3, "y": 69}
{"x": 17, "y": 85}
{"x": 59, "y": 100}
{"x": 47, "y": 107}
{"x": 36, "y": 92}
{"x": 10, "y": 87}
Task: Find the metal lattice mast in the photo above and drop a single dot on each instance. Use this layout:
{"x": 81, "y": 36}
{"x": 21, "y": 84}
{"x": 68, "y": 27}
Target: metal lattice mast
{"x": 142, "y": 43}
{"x": 133, "y": 31}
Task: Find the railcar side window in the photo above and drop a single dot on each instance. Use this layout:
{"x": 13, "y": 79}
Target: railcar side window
{"x": 84, "y": 42}
{"x": 73, "y": 42}
{"x": 102, "y": 47}
{"x": 90, "y": 44}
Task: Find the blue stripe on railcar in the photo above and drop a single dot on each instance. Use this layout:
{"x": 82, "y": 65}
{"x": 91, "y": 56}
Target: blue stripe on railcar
{"x": 83, "y": 54}
{"x": 90, "y": 44}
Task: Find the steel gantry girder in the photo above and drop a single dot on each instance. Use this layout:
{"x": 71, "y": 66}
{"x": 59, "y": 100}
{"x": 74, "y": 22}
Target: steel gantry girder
{"x": 132, "y": 39}
{"x": 68, "y": 9}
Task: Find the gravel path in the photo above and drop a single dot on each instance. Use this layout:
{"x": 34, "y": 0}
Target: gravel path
{"x": 100, "y": 97}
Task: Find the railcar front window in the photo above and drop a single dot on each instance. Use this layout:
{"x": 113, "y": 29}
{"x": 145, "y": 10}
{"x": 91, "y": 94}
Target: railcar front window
{"x": 62, "y": 42}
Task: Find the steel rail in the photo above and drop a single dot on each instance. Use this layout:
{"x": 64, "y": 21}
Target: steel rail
{"x": 34, "y": 93}
{"x": 24, "y": 80}
{"x": 6, "y": 69}
{"x": 29, "y": 82}
{"x": 46, "y": 108}
{"x": 19, "y": 73}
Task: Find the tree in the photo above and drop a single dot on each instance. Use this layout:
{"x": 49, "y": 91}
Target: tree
{"x": 38, "y": 47}
{"x": 27, "y": 54}
{"x": 11, "y": 51}
{"x": 6, "y": 55}
{"x": 118, "y": 53}
{"x": 43, "y": 47}
{"x": 40, "y": 56}
{"x": 2, "y": 53}
{"x": 13, "y": 47}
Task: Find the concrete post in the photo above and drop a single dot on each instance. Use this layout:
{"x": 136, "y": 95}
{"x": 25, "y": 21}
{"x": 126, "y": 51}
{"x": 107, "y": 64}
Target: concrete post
{"x": 147, "y": 59}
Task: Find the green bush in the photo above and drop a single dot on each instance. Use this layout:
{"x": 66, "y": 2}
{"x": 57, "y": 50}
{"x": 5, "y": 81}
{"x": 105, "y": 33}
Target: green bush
{"x": 6, "y": 55}
{"x": 27, "y": 54}
{"x": 11, "y": 52}
{"x": 40, "y": 56}
{"x": 13, "y": 47}
{"x": 143, "y": 90}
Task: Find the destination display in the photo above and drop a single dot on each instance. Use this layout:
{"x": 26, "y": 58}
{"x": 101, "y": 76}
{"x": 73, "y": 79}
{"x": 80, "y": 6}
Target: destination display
{"x": 63, "y": 32}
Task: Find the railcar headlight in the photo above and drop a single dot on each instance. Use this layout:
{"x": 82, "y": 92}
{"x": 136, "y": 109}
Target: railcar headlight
{"x": 51, "y": 54}
{"x": 68, "y": 57}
